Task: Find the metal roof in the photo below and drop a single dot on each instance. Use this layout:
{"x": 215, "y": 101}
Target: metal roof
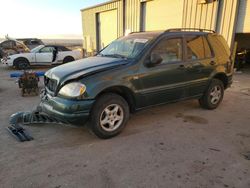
{"x": 98, "y": 5}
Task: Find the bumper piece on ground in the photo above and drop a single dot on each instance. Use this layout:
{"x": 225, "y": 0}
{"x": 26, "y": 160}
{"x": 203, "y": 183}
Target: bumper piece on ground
{"x": 25, "y": 118}
{"x": 19, "y": 133}
{"x": 53, "y": 110}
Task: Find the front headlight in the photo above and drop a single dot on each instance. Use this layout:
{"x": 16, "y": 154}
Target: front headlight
{"x": 73, "y": 90}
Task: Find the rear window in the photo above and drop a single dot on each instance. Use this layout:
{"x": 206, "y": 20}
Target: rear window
{"x": 195, "y": 48}
{"x": 207, "y": 49}
{"x": 219, "y": 45}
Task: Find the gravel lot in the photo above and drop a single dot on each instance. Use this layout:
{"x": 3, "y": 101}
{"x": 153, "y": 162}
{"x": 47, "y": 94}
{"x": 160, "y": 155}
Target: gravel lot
{"x": 176, "y": 145}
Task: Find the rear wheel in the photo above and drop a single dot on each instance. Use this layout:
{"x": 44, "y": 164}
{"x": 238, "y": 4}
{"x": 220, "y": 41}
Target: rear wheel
{"x": 68, "y": 59}
{"x": 213, "y": 96}
{"x": 109, "y": 115}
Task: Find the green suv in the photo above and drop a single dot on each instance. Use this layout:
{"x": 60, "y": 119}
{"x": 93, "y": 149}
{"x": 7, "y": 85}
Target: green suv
{"x": 137, "y": 71}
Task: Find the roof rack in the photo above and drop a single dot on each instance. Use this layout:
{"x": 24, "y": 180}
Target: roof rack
{"x": 189, "y": 29}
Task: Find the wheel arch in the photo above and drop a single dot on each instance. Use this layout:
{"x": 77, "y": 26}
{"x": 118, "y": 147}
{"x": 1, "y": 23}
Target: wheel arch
{"x": 222, "y": 77}
{"x": 122, "y": 91}
{"x": 19, "y": 59}
{"x": 67, "y": 57}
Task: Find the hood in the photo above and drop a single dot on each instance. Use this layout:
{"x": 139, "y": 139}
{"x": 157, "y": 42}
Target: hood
{"x": 83, "y": 67}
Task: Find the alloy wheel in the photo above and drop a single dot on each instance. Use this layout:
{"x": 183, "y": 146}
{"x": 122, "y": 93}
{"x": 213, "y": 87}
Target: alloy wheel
{"x": 112, "y": 117}
{"x": 215, "y": 94}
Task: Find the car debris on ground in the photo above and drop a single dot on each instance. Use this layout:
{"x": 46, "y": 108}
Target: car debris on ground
{"x": 28, "y": 81}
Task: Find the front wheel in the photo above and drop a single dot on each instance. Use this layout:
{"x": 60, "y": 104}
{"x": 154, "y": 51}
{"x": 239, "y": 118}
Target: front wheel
{"x": 109, "y": 115}
{"x": 213, "y": 96}
{"x": 21, "y": 64}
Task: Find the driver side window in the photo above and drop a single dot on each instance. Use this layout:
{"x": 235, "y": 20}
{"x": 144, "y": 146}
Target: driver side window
{"x": 170, "y": 50}
{"x": 46, "y": 50}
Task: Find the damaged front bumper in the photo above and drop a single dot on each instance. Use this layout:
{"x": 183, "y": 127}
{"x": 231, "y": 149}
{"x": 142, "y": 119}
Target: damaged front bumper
{"x": 66, "y": 110}
{"x": 50, "y": 110}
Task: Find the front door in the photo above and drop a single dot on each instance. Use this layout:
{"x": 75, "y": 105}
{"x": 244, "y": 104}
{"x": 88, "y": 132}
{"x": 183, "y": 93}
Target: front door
{"x": 45, "y": 55}
{"x": 165, "y": 81}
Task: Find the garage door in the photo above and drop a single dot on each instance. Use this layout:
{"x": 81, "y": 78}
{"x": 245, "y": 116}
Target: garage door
{"x": 243, "y": 23}
{"x": 161, "y": 14}
{"x": 107, "y": 27}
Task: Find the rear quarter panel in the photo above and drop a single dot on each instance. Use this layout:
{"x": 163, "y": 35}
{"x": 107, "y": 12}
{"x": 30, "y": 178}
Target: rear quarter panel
{"x": 75, "y": 54}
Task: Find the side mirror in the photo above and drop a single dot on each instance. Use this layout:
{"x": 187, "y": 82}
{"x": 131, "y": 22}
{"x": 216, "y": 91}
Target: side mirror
{"x": 155, "y": 59}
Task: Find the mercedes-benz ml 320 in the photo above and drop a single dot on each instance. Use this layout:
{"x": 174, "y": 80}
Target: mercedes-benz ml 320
{"x": 137, "y": 71}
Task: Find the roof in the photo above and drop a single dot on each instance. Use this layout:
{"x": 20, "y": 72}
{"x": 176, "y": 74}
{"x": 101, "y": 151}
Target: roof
{"x": 157, "y": 33}
{"x": 100, "y": 4}
{"x": 148, "y": 33}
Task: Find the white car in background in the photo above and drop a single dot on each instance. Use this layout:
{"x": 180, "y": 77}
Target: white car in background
{"x": 43, "y": 55}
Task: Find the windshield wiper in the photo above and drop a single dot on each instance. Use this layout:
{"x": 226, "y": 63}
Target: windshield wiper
{"x": 113, "y": 55}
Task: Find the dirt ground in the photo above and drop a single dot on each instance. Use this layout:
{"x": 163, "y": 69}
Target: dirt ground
{"x": 176, "y": 145}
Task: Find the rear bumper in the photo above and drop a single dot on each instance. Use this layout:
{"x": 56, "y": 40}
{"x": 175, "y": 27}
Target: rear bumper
{"x": 69, "y": 111}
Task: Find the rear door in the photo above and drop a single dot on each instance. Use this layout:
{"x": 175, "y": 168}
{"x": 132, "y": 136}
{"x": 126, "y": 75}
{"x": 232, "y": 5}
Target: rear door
{"x": 198, "y": 64}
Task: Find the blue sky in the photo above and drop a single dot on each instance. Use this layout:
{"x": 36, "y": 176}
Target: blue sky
{"x": 43, "y": 18}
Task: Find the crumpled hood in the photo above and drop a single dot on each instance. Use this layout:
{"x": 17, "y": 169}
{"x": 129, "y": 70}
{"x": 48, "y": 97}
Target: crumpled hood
{"x": 83, "y": 67}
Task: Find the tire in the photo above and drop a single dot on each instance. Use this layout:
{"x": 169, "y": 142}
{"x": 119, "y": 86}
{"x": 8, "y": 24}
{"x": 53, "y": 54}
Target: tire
{"x": 68, "y": 59}
{"x": 22, "y": 64}
{"x": 213, "y": 95}
{"x": 109, "y": 115}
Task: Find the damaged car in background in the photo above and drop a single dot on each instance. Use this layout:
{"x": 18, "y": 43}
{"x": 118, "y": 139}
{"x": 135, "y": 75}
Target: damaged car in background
{"x": 42, "y": 55}
{"x": 11, "y": 46}
{"x": 137, "y": 71}
{"x": 31, "y": 42}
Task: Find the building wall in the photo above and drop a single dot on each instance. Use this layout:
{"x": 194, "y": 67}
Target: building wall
{"x": 89, "y": 23}
{"x": 132, "y": 15}
{"x": 167, "y": 10}
{"x": 220, "y": 16}
{"x": 107, "y": 27}
{"x": 227, "y": 18}
{"x": 196, "y": 15}
{"x": 162, "y": 14}
{"x": 243, "y": 23}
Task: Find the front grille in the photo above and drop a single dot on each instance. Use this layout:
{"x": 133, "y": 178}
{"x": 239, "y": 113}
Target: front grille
{"x": 50, "y": 84}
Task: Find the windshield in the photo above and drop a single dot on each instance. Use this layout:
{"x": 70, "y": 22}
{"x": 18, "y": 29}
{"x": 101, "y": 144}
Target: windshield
{"x": 36, "y": 49}
{"x": 126, "y": 47}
